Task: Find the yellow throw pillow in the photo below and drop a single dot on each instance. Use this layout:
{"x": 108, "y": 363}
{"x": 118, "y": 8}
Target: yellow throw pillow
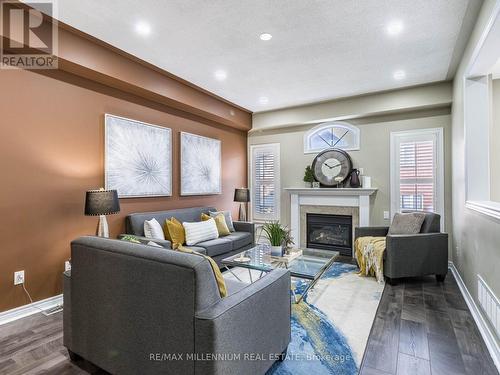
{"x": 176, "y": 233}
{"x": 221, "y": 284}
{"x": 220, "y": 222}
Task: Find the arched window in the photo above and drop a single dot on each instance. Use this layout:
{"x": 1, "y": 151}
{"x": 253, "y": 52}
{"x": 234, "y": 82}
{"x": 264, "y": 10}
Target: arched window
{"x": 339, "y": 134}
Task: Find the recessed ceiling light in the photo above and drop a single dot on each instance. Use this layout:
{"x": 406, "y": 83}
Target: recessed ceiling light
{"x": 394, "y": 27}
{"x": 143, "y": 28}
{"x": 263, "y": 100}
{"x": 265, "y": 36}
{"x": 220, "y": 75}
{"x": 399, "y": 75}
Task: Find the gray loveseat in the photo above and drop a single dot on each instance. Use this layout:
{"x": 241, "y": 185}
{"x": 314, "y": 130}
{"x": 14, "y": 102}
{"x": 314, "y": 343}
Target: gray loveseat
{"x": 136, "y": 309}
{"x": 242, "y": 239}
{"x": 425, "y": 253}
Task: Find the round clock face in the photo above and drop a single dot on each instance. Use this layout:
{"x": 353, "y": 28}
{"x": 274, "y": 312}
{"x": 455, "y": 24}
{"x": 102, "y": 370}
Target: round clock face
{"x": 332, "y": 167}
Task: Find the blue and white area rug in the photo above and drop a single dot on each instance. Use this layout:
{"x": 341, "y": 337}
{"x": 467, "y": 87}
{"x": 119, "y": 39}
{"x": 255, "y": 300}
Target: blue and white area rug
{"x": 330, "y": 327}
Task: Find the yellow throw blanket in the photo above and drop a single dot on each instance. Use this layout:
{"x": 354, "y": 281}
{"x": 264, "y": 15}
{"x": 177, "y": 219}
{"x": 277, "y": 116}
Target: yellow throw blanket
{"x": 370, "y": 254}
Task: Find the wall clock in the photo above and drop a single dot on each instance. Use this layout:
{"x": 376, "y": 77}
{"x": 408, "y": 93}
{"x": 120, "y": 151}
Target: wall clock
{"x": 331, "y": 167}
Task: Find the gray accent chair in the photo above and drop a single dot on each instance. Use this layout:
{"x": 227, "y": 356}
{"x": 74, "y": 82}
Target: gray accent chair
{"x": 136, "y": 309}
{"x": 242, "y": 239}
{"x": 425, "y": 253}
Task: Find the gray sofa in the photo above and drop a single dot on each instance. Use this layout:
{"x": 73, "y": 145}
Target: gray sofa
{"x": 425, "y": 253}
{"x": 242, "y": 239}
{"x": 136, "y": 309}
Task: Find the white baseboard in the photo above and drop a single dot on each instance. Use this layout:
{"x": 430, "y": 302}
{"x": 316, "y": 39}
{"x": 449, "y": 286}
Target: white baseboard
{"x": 485, "y": 330}
{"x": 30, "y": 309}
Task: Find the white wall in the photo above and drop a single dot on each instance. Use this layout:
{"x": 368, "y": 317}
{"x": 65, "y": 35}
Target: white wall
{"x": 495, "y": 144}
{"x": 373, "y": 156}
{"x": 476, "y": 238}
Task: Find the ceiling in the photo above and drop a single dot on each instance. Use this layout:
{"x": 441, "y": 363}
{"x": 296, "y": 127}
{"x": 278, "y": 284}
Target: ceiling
{"x": 319, "y": 50}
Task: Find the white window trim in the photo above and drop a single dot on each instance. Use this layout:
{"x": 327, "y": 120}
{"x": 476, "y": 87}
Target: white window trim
{"x": 483, "y": 206}
{"x": 329, "y": 124}
{"x": 277, "y": 215}
{"x": 440, "y": 169}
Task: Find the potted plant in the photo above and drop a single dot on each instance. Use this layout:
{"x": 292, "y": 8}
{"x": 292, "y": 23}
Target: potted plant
{"x": 276, "y": 235}
{"x": 308, "y": 176}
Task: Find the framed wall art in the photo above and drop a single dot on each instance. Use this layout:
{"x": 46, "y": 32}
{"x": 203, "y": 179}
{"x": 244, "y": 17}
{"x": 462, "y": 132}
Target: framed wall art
{"x": 200, "y": 165}
{"x": 138, "y": 158}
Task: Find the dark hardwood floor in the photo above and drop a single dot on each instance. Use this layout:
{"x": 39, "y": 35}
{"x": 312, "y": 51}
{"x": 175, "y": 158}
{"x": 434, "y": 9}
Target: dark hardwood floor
{"x": 421, "y": 327}
{"x": 425, "y": 327}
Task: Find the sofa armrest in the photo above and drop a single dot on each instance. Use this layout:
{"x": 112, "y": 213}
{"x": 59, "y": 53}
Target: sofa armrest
{"x": 244, "y": 226}
{"x": 253, "y": 321}
{"x": 416, "y": 255}
{"x": 144, "y": 240}
{"x": 370, "y": 231}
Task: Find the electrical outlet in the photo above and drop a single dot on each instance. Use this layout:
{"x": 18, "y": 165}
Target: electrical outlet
{"x": 67, "y": 266}
{"x": 19, "y": 277}
{"x": 387, "y": 215}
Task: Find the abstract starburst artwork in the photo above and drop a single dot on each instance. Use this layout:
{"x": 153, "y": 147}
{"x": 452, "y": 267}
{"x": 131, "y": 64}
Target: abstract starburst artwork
{"x": 200, "y": 165}
{"x": 138, "y": 158}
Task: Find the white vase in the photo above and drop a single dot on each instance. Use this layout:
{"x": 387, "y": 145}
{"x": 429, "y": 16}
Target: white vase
{"x": 308, "y": 184}
{"x": 276, "y": 251}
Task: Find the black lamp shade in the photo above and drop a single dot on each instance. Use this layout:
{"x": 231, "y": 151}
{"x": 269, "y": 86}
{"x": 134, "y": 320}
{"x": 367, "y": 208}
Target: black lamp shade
{"x": 101, "y": 202}
{"x": 241, "y": 195}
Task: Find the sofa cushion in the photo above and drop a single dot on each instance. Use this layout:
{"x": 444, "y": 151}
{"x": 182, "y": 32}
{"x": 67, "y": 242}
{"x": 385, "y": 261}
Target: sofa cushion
{"x": 227, "y": 216}
{"x": 153, "y": 229}
{"x": 200, "y": 231}
{"x": 175, "y": 232}
{"x": 217, "y": 246}
{"x": 239, "y": 239}
{"x": 408, "y": 223}
{"x": 220, "y": 221}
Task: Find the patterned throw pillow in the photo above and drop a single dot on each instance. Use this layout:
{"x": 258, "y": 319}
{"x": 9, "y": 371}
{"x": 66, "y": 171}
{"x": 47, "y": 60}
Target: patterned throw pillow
{"x": 227, "y": 216}
{"x": 220, "y": 222}
{"x": 409, "y": 223}
{"x": 200, "y": 231}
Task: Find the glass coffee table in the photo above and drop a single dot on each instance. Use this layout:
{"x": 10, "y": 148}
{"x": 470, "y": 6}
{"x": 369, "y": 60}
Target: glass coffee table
{"x": 308, "y": 264}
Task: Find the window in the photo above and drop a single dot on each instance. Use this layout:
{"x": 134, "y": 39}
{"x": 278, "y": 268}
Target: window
{"x": 339, "y": 134}
{"x": 265, "y": 181}
{"x": 417, "y": 180}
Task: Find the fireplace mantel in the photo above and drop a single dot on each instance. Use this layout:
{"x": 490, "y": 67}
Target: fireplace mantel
{"x": 338, "y": 197}
{"x": 332, "y": 191}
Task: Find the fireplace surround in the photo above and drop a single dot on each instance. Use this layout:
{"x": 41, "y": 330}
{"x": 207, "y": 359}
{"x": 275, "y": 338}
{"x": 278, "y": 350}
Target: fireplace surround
{"x": 353, "y": 202}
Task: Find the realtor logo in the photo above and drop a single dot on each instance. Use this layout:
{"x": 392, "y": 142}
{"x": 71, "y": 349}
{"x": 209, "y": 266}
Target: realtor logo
{"x": 29, "y": 35}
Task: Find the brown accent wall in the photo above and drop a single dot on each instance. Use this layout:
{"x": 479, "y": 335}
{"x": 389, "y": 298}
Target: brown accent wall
{"x": 52, "y": 151}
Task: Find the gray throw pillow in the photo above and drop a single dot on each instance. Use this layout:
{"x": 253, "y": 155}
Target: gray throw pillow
{"x": 227, "y": 216}
{"x": 409, "y": 223}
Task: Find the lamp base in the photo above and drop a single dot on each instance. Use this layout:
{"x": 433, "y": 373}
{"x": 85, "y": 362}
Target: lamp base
{"x": 102, "y": 227}
{"x": 243, "y": 213}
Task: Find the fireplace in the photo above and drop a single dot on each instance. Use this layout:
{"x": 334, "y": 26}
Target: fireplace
{"x": 329, "y": 232}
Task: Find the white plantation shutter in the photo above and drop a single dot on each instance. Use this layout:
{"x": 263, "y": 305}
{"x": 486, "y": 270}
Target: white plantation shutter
{"x": 265, "y": 181}
{"x": 416, "y": 171}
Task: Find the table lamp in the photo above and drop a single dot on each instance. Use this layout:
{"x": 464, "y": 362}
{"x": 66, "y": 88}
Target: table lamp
{"x": 101, "y": 203}
{"x": 242, "y": 195}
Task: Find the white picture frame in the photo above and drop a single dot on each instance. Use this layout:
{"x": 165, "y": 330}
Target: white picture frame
{"x": 137, "y": 158}
{"x": 201, "y": 172}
